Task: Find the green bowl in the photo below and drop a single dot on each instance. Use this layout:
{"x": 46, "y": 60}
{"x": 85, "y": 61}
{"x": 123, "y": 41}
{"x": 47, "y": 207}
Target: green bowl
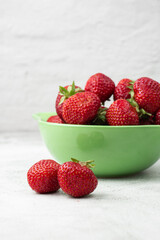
{"x": 116, "y": 150}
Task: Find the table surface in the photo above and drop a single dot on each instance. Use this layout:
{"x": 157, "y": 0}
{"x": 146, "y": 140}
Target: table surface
{"x": 121, "y": 208}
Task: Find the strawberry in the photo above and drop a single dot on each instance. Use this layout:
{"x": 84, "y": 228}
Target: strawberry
{"x": 158, "y": 117}
{"x": 80, "y": 108}
{"x": 143, "y": 94}
{"x": 122, "y": 90}
{"x": 65, "y": 93}
{"x": 101, "y": 85}
{"x": 55, "y": 119}
{"x": 42, "y": 176}
{"x": 121, "y": 112}
{"x": 76, "y": 179}
{"x": 147, "y": 94}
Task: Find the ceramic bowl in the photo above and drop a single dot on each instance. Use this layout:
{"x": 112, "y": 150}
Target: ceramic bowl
{"x": 116, "y": 150}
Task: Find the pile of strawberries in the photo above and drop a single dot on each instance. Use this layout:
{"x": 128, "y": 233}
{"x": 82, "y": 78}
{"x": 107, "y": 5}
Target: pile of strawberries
{"x": 75, "y": 178}
{"x": 135, "y": 102}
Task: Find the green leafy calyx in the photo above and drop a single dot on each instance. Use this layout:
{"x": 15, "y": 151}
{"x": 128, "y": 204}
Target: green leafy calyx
{"x": 88, "y": 163}
{"x": 100, "y": 118}
{"x": 70, "y": 91}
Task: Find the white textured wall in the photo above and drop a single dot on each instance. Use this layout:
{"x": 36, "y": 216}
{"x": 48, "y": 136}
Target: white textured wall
{"x": 44, "y": 43}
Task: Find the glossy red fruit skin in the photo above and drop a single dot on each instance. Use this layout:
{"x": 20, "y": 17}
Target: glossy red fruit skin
{"x": 55, "y": 119}
{"x": 76, "y": 180}
{"x": 121, "y": 90}
{"x": 122, "y": 113}
{"x": 60, "y": 107}
{"x": 157, "y": 121}
{"x": 101, "y": 85}
{"x": 147, "y": 94}
{"x": 81, "y": 108}
{"x": 42, "y": 176}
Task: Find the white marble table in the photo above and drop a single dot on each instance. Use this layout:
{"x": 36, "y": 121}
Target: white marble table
{"x": 119, "y": 209}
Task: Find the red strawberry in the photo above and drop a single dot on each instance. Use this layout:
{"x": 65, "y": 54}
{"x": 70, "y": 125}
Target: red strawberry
{"x": 55, "y": 119}
{"x": 80, "y": 108}
{"x": 121, "y": 112}
{"x": 158, "y": 117}
{"x": 101, "y": 85}
{"x": 42, "y": 176}
{"x": 147, "y": 94}
{"x": 122, "y": 90}
{"x": 76, "y": 179}
{"x": 65, "y": 93}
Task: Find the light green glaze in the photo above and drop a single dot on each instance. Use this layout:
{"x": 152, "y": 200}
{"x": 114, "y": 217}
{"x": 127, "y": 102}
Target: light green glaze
{"x": 116, "y": 150}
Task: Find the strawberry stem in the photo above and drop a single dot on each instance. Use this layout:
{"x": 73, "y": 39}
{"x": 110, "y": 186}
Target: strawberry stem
{"x": 100, "y": 118}
{"x": 87, "y": 163}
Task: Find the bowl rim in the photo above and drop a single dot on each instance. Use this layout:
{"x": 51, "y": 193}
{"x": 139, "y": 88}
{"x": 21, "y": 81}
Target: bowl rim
{"x": 37, "y": 117}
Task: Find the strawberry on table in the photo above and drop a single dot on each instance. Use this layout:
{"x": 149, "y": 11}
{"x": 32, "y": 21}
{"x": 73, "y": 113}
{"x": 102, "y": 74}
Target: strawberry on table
{"x": 80, "y": 108}
{"x": 55, "y": 119}
{"x": 101, "y": 85}
{"x": 158, "y": 117}
{"x": 121, "y": 112}
{"x": 122, "y": 89}
{"x": 65, "y": 93}
{"x": 76, "y": 178}
{"x": 42, "y": 176}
